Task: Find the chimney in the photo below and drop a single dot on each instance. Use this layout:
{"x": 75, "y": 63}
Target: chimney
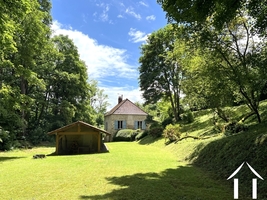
{"x": 120, "y": 98}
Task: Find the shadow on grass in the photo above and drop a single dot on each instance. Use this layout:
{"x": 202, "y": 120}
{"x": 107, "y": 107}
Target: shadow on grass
{"x": 2, "y": 159}
{"x": 149, "y": 140}
{"x": 206, "y": 126}
{"x": 185, "y": 182}
{"x": 221, "y": 157}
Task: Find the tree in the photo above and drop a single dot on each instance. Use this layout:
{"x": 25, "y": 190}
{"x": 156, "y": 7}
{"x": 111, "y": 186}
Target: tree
{"x": 160, "y": 70}
{"x": 67, "y": 89}
{"x": 18, "y": 66}
{"x": 236, "y": 62}
{"x": 196, "y": 12}
{"x": 99, "y": 103}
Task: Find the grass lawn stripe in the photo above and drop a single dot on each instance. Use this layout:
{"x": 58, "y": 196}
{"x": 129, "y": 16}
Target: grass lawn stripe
{"x": 129, "y": 171}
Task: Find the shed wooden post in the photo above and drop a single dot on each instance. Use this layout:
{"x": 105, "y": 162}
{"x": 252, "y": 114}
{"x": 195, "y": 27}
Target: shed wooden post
{"x": 57, "y": 143}
{"x": 99, "y": 139}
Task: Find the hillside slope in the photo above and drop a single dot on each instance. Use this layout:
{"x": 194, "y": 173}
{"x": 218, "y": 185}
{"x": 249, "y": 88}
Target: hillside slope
{"x": 221, "y": 155}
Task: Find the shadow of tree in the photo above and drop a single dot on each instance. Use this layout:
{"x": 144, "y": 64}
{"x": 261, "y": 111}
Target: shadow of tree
{"x": 185, "y": 182}
{"x": 221, "y": 157}
{"x": 149, "y": 140}
{"x": 2, "y": 159}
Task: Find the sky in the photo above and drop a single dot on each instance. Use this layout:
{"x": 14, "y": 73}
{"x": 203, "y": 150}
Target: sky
{"x": 108, "y": 35}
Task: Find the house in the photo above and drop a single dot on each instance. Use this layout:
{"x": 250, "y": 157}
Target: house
{"x": 79, "y": 137}
{"x": 125, "y": 115}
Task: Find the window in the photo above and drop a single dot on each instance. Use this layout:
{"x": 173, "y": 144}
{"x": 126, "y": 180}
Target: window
{"x": 140, "y": 125}
{"x": 119, "y": 125}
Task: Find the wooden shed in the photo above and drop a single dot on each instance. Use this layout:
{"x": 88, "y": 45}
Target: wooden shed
{"x": 79, "y": 138}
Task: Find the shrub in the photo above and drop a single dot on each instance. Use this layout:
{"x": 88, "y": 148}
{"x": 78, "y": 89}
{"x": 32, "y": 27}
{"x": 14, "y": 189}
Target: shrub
{"x": 156, "y": 132}
{"x": 6, "y": 140}
{"x": 172, "y": 132}
{"x": 234, "y": 127}
{"x": 167, "y": 121}
{"x": 37, "y": 135}
{"x": 188, "y": 117}
{"x": 126, "y": 135}
{"x": 155, "y": 124}
{"x": 141, "y": 135}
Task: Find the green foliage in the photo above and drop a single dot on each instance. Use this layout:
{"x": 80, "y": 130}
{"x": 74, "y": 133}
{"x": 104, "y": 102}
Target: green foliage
{"x": 167, "y": 121}
{"x": 187, "y": 117}
{"x": 156, "y": 131}
{"x": 155, "y": 124}
{"x": 234, "y": 127}
{"x": 43, "y": 82}
{"x": 225, "y": 62}
{"x": 141, "y": 135}
{"x": 161, "y": 69}
{"x": 38, "y": 135}
{"x": 126, "y": 135}
{"x": 172, "y": 132}
{"x": 6, "y": 140}
{"x": 222, "y": 157}
{"x": 195, "y": 13}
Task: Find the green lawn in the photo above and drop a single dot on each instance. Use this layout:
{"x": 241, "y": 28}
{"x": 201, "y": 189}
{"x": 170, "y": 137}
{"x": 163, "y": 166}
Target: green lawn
{"x": 129, "y": 171}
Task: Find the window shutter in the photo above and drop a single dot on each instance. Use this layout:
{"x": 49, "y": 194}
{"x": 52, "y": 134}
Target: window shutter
{"x": 135, "y": 124}
{"x": 124, "y": 124}
{"x": 116, "y": 125}
{"x": 106, "y": 128}
{"x": 143, "y": 125}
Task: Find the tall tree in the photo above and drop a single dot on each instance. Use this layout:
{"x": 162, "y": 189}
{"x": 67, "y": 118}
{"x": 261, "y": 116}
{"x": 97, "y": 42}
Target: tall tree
{"x": 236, "y": 60}
{"x": 161, "y": 72}
{"x": 68, "y": 91}
{"x": 99, "y": 103}
{"x": 19, "y": 64}
{"x": 195, "y": 12}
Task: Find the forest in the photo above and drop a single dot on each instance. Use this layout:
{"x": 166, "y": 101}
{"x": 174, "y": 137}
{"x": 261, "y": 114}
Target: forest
{"x": 43, "y": 83}
{"x": 210, "y": 55}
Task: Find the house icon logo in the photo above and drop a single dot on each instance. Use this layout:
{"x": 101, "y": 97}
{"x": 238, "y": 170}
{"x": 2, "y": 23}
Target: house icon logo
{"x": 254, "y": 181}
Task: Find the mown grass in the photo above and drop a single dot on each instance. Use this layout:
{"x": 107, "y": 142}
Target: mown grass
{"x": 190, "y": 169}
{"x": 129, "y": 171}
{"x": 220, "y": 155}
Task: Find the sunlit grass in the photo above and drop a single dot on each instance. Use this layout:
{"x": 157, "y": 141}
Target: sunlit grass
{"x": 129, "y": 171}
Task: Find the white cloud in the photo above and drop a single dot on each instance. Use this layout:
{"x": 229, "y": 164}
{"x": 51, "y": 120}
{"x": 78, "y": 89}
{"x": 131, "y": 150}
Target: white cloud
{"x": 137, "y": 36}
{"x": 143, "y": 3}
{"x": 128, "y": 92}
{"x": 151, "y": 18}
{"x": 104, "y": 14}
{"x": 130, "y": 11}
{"x": 102, "y": 61}
{"x": 120, "y": 16}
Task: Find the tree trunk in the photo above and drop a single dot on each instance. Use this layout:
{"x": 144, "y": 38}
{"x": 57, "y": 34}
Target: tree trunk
{"x": 221, "y": 114}
{"x": 252, "y": 104}
{"x": 23, "y": 92}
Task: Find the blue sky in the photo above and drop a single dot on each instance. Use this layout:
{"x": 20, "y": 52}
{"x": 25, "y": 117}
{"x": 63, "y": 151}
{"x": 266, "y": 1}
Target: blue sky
{"x": 108, "y": 35}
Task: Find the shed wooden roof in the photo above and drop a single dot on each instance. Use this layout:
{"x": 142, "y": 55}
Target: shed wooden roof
{"x": 76, "y": 123}
{"x": 126, "y": 107}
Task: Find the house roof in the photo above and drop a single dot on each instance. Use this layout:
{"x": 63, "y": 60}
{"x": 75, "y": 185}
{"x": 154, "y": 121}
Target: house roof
{"x": 76, "y": 123}
{"x": 126, "y": 107}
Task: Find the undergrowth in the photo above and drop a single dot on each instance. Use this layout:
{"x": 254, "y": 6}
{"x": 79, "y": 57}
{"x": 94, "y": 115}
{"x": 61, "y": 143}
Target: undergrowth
{"x": 220, "y": 155}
